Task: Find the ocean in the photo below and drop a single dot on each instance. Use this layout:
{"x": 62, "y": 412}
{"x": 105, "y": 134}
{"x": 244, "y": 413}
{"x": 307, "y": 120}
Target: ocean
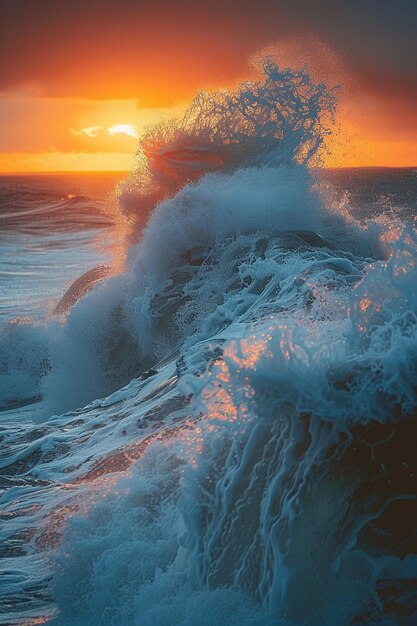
{"x": 208, "y": 376}
{"x": 53, "y": 228}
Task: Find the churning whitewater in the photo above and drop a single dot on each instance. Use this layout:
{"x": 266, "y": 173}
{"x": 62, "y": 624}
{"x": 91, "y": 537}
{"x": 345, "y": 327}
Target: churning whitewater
{"x": 246, "y": 451}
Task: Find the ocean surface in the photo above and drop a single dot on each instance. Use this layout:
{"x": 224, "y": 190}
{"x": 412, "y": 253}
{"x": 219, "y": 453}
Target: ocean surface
{"x": 53, "y": 228}
{"x": 208, "y": 380}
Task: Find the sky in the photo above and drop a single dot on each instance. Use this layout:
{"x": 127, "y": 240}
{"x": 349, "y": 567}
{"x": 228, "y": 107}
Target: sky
{"x": 81, "y": 79}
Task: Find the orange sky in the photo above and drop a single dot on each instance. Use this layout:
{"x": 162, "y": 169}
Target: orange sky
{"x": 80, "y": 81}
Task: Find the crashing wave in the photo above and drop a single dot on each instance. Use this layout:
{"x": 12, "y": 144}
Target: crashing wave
{"x": 280, "y": 119}
{"x": 257, "y": 467}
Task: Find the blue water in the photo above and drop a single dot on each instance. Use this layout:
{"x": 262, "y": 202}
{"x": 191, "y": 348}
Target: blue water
{"x": 217, "y": 426}
{"x": 53, "y": 228}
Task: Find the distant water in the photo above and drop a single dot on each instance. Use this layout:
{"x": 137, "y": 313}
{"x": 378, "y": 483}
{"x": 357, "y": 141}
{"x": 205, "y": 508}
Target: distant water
{"x": 223, "y": 431}
{"x": 53, "y": 228}
{"x": 376, "y": 191}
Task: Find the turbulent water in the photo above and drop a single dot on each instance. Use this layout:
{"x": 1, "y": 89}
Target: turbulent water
{"x": 224, "y": 431}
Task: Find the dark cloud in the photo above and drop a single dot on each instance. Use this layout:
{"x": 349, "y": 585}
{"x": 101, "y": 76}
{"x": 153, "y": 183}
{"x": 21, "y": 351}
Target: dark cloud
{"x": 156, "y": 50}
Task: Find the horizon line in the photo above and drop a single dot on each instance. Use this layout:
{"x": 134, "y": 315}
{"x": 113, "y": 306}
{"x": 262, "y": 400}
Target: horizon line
{"x": 121, "y": 172}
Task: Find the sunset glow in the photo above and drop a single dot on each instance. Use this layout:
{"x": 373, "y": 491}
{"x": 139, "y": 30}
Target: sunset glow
{"x": 123, "y": 129}
{"x": 89, "y": 115}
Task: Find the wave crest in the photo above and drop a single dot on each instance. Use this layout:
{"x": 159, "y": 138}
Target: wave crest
{"x": 282, "y": 118}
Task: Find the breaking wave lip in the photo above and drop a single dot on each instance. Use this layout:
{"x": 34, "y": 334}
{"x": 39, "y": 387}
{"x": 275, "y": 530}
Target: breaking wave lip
{"x": 257, "y": 467}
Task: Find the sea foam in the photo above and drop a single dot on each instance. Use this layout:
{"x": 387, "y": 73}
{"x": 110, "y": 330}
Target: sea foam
{"x": 256, "y": 468}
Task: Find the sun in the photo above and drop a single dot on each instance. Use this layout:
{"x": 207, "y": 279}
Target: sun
{"x": 125, "y": 129}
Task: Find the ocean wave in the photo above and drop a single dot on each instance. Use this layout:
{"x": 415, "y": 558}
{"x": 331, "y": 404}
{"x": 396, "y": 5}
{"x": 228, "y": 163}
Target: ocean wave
{"x": 255, "y": 468}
